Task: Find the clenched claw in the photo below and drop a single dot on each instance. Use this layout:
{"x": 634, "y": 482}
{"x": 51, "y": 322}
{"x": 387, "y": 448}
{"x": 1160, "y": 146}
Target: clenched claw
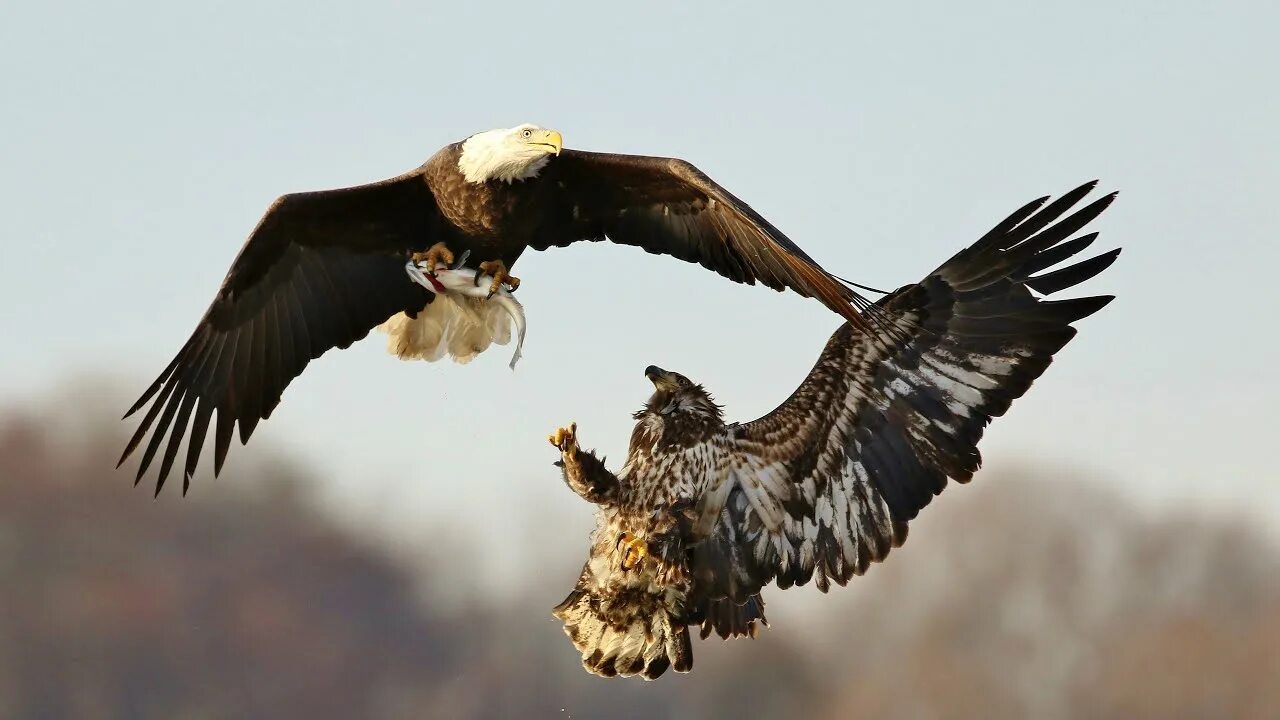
{"x": 498, "y": 270}
{"x": 634, "y": 552}
{"x": 565, "y": 439}
{"x": 435, "y": 256}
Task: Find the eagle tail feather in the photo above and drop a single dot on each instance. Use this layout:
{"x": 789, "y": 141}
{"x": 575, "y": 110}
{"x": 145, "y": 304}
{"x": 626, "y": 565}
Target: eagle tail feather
{"x": 625, "y": 634}
{"x": 730, "y": 619}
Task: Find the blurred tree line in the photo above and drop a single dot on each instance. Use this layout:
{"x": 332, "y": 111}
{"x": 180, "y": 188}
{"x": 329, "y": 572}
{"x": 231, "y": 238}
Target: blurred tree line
{"x": 1011, "y": 599}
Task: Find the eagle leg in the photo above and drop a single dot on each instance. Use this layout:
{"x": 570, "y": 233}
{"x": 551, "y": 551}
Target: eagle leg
{"x": 435, "y": 256}
{"x": 498, "y": 270}
{"x": 584, "y": 473}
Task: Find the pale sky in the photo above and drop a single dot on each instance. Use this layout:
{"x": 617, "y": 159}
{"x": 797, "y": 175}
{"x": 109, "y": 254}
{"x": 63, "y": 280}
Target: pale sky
{"x": 141, "y": 143}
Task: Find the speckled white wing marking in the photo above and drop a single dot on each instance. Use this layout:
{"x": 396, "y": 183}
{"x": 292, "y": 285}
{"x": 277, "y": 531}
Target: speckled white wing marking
{"x": 826, "y": 483}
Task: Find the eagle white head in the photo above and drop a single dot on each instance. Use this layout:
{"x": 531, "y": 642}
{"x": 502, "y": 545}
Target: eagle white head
{"x": 508, "y": 154}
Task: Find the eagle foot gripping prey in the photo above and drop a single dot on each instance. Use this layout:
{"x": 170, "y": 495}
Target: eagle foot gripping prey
{"x": 439, "y": 255}
{"x": 498, "y": 270}
{"x": 458, "y": 280}
{"x": 436, "y": 255}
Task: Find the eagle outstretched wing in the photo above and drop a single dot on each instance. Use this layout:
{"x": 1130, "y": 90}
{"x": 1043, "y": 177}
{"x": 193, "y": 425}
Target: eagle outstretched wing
{"x": 667, "y": 206}
{"x": 825, "y": 484}
{"x": 312, "y": 276}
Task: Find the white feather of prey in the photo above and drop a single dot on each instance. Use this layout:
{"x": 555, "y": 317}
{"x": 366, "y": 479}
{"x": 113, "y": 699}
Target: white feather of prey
{"x": 460, "y": 322}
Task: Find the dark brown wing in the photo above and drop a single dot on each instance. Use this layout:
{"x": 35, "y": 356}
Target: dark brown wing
{"x": 826, "y": 483}
{"x": 669, "y": 207}
{"x": 319, "y": 271}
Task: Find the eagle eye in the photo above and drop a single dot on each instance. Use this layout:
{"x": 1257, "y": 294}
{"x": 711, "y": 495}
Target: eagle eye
{"x": 527, "y": 133}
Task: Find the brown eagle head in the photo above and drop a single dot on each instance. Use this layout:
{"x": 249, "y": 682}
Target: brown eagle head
{"x": 677, "y": 398}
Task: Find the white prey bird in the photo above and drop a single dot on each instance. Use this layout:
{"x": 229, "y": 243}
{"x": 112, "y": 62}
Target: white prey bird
{"x": 464, "y": 320}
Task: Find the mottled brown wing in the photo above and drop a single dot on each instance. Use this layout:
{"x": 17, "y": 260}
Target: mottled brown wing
{"x": 319, "y": 271}
{"x": 669, "y": 207}
{"x": 826, "y": 483}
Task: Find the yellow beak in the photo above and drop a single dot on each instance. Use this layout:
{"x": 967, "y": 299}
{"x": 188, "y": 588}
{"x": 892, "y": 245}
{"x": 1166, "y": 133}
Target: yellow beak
{"x": 552, "y": 140}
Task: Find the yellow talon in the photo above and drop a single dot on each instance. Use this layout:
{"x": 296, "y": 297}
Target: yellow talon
{"x": 565, "y": 439}
{"x": 435, "y": 256}
{"x": 498, "y": 270}
{"x": 636, "y": 550}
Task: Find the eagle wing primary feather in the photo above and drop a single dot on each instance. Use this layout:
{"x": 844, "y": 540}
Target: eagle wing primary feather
{"x": 319, "y": 271}
{"x": 826, "y": 483}
{"x": 669, "y": 207}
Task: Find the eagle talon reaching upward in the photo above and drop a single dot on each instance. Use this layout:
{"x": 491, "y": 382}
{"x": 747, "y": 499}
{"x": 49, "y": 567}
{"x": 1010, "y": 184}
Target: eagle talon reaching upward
{"x": 823, "y": 486}
{"x": 322, "y": 269}
{"x": 565, "y": 440}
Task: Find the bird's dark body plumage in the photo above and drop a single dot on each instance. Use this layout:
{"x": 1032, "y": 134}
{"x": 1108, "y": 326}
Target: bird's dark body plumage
{"x": 703, "y": 515}
{"x": 324, "y": 268}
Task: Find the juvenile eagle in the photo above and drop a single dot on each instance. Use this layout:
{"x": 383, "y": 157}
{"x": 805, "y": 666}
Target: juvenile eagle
{"x": 703, "y": 515}
{"x": 323, "y": 268}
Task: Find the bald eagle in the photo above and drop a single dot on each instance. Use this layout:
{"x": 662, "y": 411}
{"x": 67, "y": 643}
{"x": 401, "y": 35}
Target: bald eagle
{"x": 704, "y": 514}
{"x": 323, "y": 268}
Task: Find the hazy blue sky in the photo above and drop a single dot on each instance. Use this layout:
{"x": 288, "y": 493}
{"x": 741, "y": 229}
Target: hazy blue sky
{"x": 141, "y": 142}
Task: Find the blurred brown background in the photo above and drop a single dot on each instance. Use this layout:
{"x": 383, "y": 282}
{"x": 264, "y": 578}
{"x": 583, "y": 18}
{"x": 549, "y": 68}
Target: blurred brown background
{"x": 1013, "y": 598}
